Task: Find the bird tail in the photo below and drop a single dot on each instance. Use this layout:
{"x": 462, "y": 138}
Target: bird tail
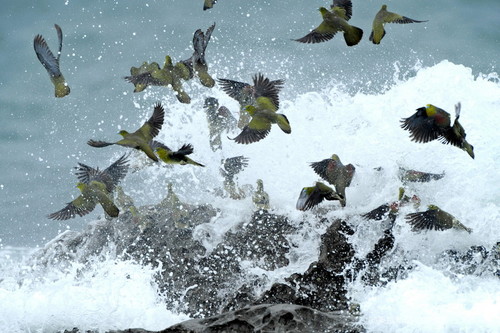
{"x": 353, "y": 35}
{"x": 108, "y": 205}
{"x": 374, "y": 41}
{"x": 98, "y": 144}
{"x": 283, "y": 123}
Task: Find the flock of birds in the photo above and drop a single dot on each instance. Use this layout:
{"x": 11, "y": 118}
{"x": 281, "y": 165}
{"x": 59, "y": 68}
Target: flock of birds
{"x": 259, "y": 103}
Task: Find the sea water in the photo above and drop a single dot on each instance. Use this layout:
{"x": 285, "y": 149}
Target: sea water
{"x": 347, "y": 101}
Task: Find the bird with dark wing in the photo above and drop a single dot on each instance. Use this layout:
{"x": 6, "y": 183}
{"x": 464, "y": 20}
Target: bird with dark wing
{"x": 312, "y": 196}
{"x": 208, "y": 4}
{"x": 391, "y": 210}
{"x": 141, "y": 138}
{"x": 246, "y": 94}
{"x": 381, "y": 18}
{"x": 169, "y": 156}
{"x": 333, "y": 22}
{"x": 430, "y": 123}
{"x": 200, "y": 66}
{"x": 434, "y": 218}
{"x": 337, "y": 174}
{"x": 51, "y": 63}
{"x": 96, "y": 187}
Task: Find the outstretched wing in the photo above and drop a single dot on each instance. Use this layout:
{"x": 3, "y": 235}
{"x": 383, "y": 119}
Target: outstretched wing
{"x": 265, "y": 88}
{"x": 46, "y": 56}
{"x": 79, "y": 206}
{"x": 324, "y": 32}
{"x": 152, "y": 127}
{"x": 396, "y": 18}
{"x": 256, "y": 130}
{"x": 425, "y": 221}
{"x": 422, "y": 128}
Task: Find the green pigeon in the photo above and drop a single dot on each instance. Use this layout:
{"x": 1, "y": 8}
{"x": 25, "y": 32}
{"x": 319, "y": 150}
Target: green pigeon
{"x": 219, "y": 119}
{"x": 434, "y": 218}
{"x": 200, "y": 66}
{"x": 263, "y": 115}
{"x": 260, "y": 197}
{"x": 337, "y": 174}
{"x": 208, "y": 4}
{"x": 430, "y": 123}
{"x": 169, "y": 156}
{"x": 141, "y": 138}
{"x": 51, "y": 63}
{"x": 96, "y": 186}
{"x": 408, "y": 175}
{"x": 333, "y": 22}
{"x": 383, "y": 17}
{"x": 246, "y": 94}
{"x": 312, "y": 196}
{"x": 168, "y": 76}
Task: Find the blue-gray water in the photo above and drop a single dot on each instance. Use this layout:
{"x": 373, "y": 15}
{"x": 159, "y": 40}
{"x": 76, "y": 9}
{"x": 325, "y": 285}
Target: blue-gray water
{"x": 42, "y": 138}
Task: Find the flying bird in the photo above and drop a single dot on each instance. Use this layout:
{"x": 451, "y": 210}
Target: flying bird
{"x": 141, "y": 138}
{"x": 96, "y": 187}
{"x": 51, "y": 63}
{"x": 312, "y": 196}
{"x": 430, "y": 123}
{"x": 335, "y": 21}
{"x": 434, "y": 218}
{"x": 246, "y": 94}
{"x": 208, "y": 4}
{"x": 169, "y": 156}
{"x": 337, "y": 174}
{"x": 383, "y": 17}
{"x": 200, "y": 66}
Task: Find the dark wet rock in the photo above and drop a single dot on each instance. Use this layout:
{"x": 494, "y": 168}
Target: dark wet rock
{"x": 265, "y": 318}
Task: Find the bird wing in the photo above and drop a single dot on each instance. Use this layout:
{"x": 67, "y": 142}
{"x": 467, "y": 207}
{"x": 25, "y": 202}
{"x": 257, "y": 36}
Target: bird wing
{"x": 308, "y": 198}
{"x": 233, "y": 88}
{"x": 425, "y": 220}
{"x": 80, "y": 206}
{"x": 263, "y": 87}
{"x": 342, "y": 8}
{"x": 99, "y": 144}
{"x": 152, "y": 127}
{"x": 157, "y": 144}
{"x": 325, "y": 169}
{"x": 378, "y": 213}
{"x": 257, "y": 129}
{"x": 422, "y": 128}
{"x": 143, "y": 78}
{"x": 324, "y": 32}
{"x": 234, "y": 165}
{"x": 86, "y": 173}
{"x": 113, "y": 174}
{"x": 46, "y": 56}
{"x": 390, "y": 17}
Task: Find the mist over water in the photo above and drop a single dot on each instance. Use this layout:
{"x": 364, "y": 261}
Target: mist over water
{"x": 339, "y": 100}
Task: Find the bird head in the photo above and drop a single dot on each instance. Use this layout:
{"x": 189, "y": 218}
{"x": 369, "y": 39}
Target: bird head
{"x": 384, "y": 7}
{"x": 123, "y": 133}
{"x": 323, "y": 11}
{"x": 336, "y": 158}
{"x": 168, "y": 62}
{"x": 211, "y": 102}
{"x": 250, "y": 109}
{"x": 430, "y": 110}
{"x": 432, "y": 207}
{"x": 260, "y": 185}
{"x": 62, "y": 90}
{"x": 80, "y": 186}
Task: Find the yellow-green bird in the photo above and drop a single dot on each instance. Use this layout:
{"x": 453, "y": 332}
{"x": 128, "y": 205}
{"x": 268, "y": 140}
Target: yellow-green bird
{"x": 209, "y": 4}
{"x": 51, "y": 63}
{"x": 430, "y": 123}
{"x": 168, "y": 76}
{"x": 96, "y": 187}
{"x": 383, "y": 17}
{"x": 335, "y": 21}
{"x": 141, "y": 138}
{"x": 312, "y": 196}
{"x": 337, "y": 174}
{"x": 169, "y": 156}
{"x": 263, "y": 115}
{"x": 434, "y": 218}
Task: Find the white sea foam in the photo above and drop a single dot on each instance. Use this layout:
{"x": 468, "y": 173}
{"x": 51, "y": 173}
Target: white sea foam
{"x": 363, "y": 129}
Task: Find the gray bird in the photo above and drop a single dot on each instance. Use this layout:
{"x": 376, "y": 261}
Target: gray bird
{"x": 260, "y": 197}
{"x": 219, "y": 119}
{"x": 337, "y": 174}
{"x": 51, "y": 63}
{"x": 383, "y": 17}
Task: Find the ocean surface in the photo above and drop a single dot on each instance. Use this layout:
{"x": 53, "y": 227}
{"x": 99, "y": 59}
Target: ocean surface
{"x": 338, "y": 99}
